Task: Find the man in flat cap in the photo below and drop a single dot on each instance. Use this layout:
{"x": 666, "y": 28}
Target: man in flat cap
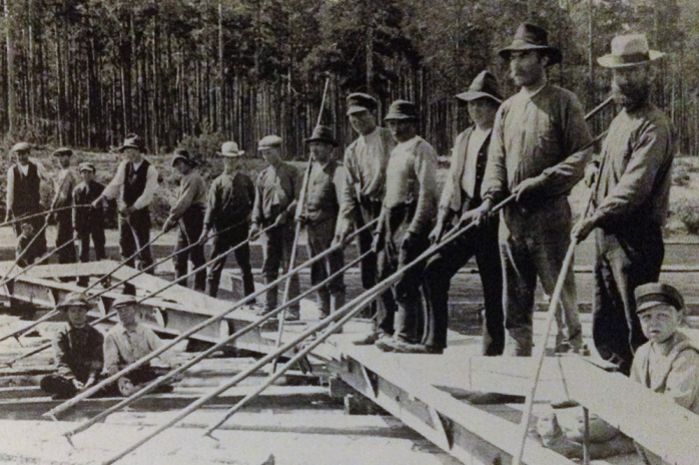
{"x": 89, "y": 222}
{"x": 188, "y": 214}
{"x": 461, "y": 194}
{"x": 135, "y": 183}
{"x": 669, "y": 362}
{"x": 24, "y": 195}
{"x": 229, "y": 204}
{"x": 276, "y": 190}
{"x": 537, "y": 152}
{"x": 64, "y": 183}
{"x": 631, "y": 196}
{"x": 320, "y": 215}
{"x": 77, "y": 351}
{"x": 409, "y": 208}
{"x": 365, "y": 162}
{"x": 129, "y": 341}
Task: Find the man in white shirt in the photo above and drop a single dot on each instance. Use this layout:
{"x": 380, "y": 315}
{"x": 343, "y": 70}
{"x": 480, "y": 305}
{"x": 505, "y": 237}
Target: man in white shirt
{"x": 461, "y": 193}
{"x": 64, "y": 184}
{"x": 134, "y": 183}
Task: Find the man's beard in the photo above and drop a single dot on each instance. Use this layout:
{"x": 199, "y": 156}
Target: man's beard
{"x": 631, "y": 96}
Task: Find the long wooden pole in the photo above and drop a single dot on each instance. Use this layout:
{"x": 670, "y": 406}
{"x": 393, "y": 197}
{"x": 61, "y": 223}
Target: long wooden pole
{"x": 70, "y": 403}
{"x": 342, "y": 315}
{"x": 45, "y": 212}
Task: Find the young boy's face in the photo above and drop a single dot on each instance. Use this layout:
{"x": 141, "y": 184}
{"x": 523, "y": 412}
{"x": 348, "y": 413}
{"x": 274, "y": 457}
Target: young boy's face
{"x": 660, "y": 322}
{"x": 27, "y": 229}
{"x": 77, "y": 316}
{"x": 127, "y": 315}
{"x": 87, "y": 175}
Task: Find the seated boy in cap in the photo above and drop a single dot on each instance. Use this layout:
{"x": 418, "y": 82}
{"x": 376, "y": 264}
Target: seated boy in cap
{"x": 78, "y": 351}
{"x": 128, "y": 342}
{"x": 89, "y": 222}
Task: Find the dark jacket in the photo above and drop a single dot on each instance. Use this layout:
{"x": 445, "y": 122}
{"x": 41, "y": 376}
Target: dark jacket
{"x": 78, "y": 352}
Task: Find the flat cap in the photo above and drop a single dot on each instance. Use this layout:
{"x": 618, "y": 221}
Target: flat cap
{"x": 484, "y": 85}
{"x": 359, "y": 101}
{"x": 269, "y": 141}
{"x": 652, "y": 294}
{"x": 401, "y": 110}
{"x": 74, "y": 299}
{"x": 131, "y": 141}
{"x": 230, "y": 149}
{"x": 62, "y": 151}
{"x": 322, "y": 134}
{"x": 86, "y": 166}
{"x": 124, "y": 300}
{"x": 21, "y": 147}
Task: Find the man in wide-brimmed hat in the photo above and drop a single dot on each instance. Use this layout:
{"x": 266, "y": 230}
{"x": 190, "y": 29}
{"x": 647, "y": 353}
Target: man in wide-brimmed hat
{"x": 460, "y": 195}
{"x": 229, "y": 204}
{"x": 407, "y": 216}
{"x": 89, "y": 222}
{"x": 277, "y": 189}
{"x": 135, "y": 183}
{"x": 537, "y": 152}
{"x": 64, "y": 184}
{"x": 24, "y": 179}
{"x": 319, "y": 215}
{"x": 365, "y": 162}
{"x": 78, "y": 351}
{"x": 631, "y": 195}
{"x": 188, "y": 214}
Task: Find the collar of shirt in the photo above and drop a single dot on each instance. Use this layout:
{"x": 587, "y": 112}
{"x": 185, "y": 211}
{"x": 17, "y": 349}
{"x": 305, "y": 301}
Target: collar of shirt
{"x": 531, "y": 94}
{"x": 24, "y": 169}
{"x": 367, "y": 138}
{"x": 136, "y": 165}
{"x": 405, "y": 144}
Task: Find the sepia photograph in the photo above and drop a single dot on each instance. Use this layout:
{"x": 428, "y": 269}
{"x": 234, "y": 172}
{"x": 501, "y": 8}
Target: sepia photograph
{"x": 349, "y": 232}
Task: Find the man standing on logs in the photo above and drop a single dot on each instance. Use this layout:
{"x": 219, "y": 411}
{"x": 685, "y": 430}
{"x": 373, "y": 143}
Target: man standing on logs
{"x": 535, "y": 153}
{"x": 65, "y": 182}
{"x": 188, "y": 214}
{"x": 276, "y": 190}
{"x": 365, "y": 164}
{"x": 229, "y": 203}
{"x": 409, "y": 207}
{"x": 89, "y": 222}
{"x": 320, "y": 216}
{"x": 461, "y": 194}
{"x": 631, "y": 195}
{"x": 24, "y": 196}
{"x": 135, "y": 182}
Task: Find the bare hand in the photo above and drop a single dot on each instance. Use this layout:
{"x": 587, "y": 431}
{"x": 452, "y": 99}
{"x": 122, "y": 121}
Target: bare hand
{"x": 78, "y": 385}
{"x": 437, "y": 231}
{"x": 582, "y": 229}
{"x": 254, "y": 231}
{"x": 478, "y": 215}
{"x": 525, "y": 188}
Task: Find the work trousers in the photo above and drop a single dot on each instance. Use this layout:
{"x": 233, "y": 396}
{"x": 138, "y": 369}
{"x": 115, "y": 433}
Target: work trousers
{"x": 222, "y": 243}
{"x": 96, "y": 232}
{"x": 385, "y": 309}
{"x": 409, "y": 318}
{"x": 189, "y": 229}
{"x": 277, "y": 245}
{"x": 525, "y": 257}
{"x": 320, "y": 237}
{"x": 61, "y": 387}
{"x": 64, "y": 226}
{"x": 481, "y": 242}
{"x": 623, "y": 262}
{"x": 134, "y": 233}
{"x": 38, "y": 245}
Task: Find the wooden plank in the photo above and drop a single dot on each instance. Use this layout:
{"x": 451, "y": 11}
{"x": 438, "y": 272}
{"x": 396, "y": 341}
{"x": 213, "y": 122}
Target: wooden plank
{"x": 65, "y": 270}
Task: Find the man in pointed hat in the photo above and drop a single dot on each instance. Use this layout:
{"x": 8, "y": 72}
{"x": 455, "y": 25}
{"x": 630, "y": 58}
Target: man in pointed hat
{"x": 364, "y": 163}
{"x": 537, "y": 152}
{"x": 320, "y": 215}
{"x": 229, "y": 203}
{"x": 460, "y": 195}
{"x": 188, "y": 214}
{"x": 135, "y": 183}
{"x": 631, "y": 194}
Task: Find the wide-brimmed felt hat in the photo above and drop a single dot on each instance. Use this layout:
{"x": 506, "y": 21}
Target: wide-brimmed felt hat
{"x": 359, "y": 101}
{"x": 62, "y": 151}
{"x": 653, "y": 294}
{"x": 230, "y": 150}
{"x": 86, "y": 166}
{"x": 74, "y": 299}
{"x": 531, "y": 37}
{"x": 124, "y": 300}
{"x": 629, "y": 50}
{"x": 21, "y": 147}
{"x": 484, "y": 85}
{"x": 269, "y": 141}
{"x": 184, "y": 155}
{"x": 131, "y": 141}
{"x": 401, "y": 110}
{"x": 322, "y": 134}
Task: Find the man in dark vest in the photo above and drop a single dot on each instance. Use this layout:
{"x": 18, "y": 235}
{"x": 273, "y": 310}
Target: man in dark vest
{"x": 460, "y": 195}
{"x": 134, "y": 183}
{"x": 23, "y": 196}
{"x": 64, "y": 184}
{"x": 320, "y": 215}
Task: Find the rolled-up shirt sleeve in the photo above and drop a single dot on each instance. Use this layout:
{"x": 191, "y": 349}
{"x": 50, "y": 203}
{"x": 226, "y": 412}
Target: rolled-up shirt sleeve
{"x": 111, "y": 354}
{"x": 111, "y": 190}
{"x": 212, "y": 204}
{"x": 10, "y": 189}
{"x": 426, "y": 173}
{"x": 189, "y": 189}
{"x": 495, "y": 177}
{"x": 149, "y": 191}
{"x": 682, "y": 383}
{"x": 257, "y": 213}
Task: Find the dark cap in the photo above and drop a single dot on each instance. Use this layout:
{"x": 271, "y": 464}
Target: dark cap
{"x": 62, "y": 151}
{"x": 74, "y": 299}
{"x": 184, "y": 155}
{"x": 359, "y": 101}
{"x": 531, "y": 37}
{"x": 322, "y": 134}
{"x": 484, "y": 85}
{"x": 401, "y": 110}
{"x": 131, "y": 141}
{"x": 652, "y": 294}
